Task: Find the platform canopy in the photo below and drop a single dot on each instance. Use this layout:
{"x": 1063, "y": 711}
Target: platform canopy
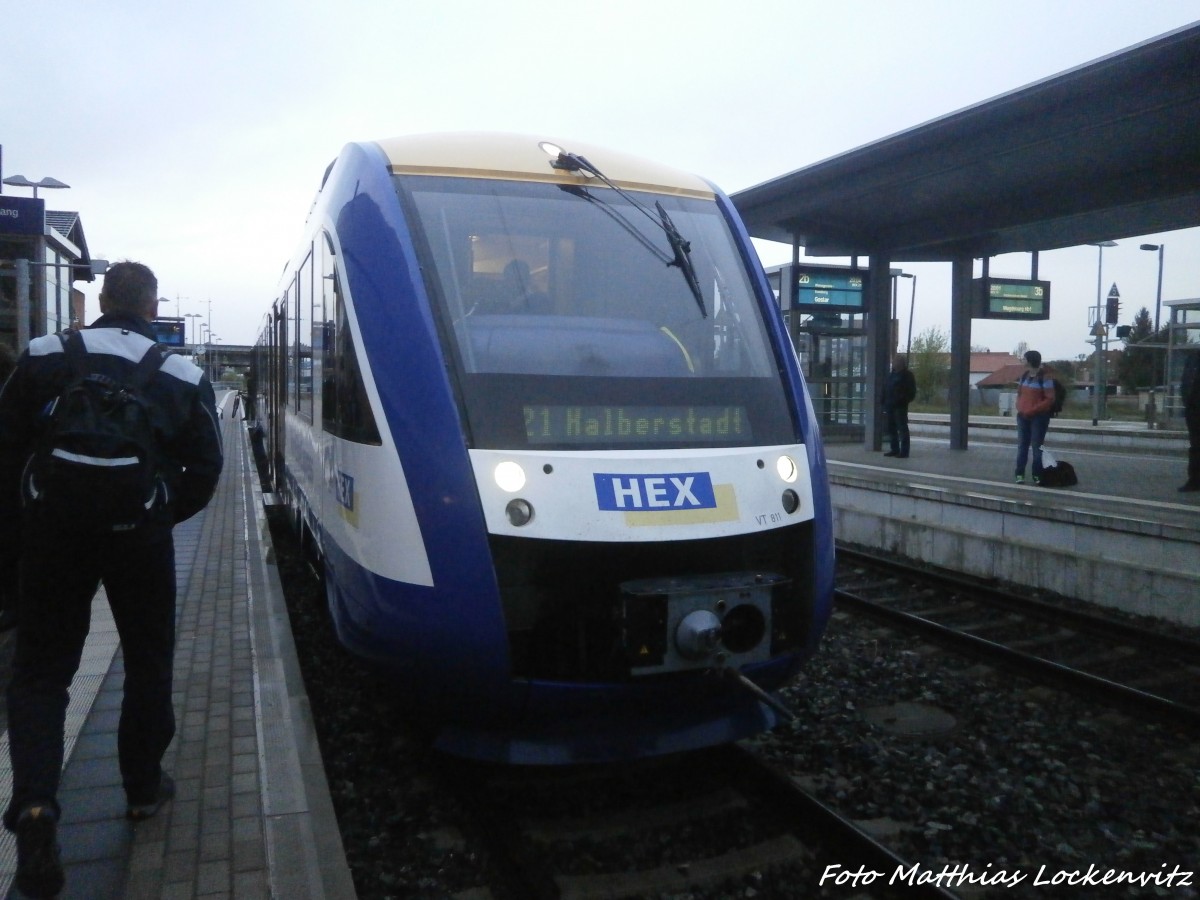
{"x": 1107, "y": 150}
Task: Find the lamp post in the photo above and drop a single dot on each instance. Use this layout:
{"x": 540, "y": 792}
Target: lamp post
{"x": 1159, "y": 377}
{"x": 1158, "y": 299}
{"x": 215, "y": 361}
{"x": 1099, "y": 376}
{"x": 912, "y": 305}
{"x": 22, "y": 181}
{"x": 194, "y": 316}
{"x": 894, "y": 326}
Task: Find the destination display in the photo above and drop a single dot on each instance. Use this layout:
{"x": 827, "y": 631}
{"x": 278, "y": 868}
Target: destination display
{"x": 169, "y": 332}
{"x": 826, "y": 288}
{"x": 573, "y": 424}
{"x": 1010, "y": 298}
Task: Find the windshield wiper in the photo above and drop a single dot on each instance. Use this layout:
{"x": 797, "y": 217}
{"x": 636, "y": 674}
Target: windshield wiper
{"x": 683, "y": 256}
{"x": 680, "y": 248}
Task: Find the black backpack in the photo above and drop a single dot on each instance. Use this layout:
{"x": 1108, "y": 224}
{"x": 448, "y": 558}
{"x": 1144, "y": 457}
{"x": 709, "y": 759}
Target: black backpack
{"x": 1060, "y": 397}
{"x": 96, "y": 463}
{"x": 1061, "y": 474}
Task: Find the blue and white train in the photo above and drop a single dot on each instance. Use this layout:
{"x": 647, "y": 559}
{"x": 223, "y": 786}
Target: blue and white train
{"x": 534, "y": 406}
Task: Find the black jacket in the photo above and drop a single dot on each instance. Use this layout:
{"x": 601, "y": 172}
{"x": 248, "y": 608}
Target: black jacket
{"x": 1189, "y": 383}
{"x": 899, "y": 389}
{"x": 184, "y": 414}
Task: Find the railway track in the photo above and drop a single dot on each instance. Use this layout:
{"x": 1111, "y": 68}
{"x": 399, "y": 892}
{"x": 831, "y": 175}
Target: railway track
{"x": 715, "y": 823}
{"x": 1150, "y": 673}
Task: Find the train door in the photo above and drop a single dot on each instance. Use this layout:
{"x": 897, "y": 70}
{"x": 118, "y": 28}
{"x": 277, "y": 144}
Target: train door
{"x": 279, "y": 393}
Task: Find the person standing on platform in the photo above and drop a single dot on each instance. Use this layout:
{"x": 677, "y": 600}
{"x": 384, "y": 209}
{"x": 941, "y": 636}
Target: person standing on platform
{"x": 1189, "y": 393}
{"x": 899, "y": 390}
{"x": 61, "y": 565}
{"x": 1035, "y": 401}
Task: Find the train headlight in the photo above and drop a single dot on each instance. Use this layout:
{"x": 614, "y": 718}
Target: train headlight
{"x": 787, "y": 469}
{"x": 510, "y": 477}
{"x": 519, "y": 512}
{"x": 791, "y": 501}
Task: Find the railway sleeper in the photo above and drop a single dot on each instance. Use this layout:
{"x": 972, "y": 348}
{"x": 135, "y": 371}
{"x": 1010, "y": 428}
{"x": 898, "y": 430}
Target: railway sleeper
{"x": 738, "y": 863}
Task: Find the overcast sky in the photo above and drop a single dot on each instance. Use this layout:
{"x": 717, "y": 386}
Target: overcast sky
{"x": 194, "y": 135}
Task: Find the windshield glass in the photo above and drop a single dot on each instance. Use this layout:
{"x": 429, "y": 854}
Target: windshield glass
{"x": 565, "y": 317}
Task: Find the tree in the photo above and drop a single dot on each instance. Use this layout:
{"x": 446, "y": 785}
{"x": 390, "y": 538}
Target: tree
{"x": 930, "y": 363}
{"x": 1138, "y": 366}
{"x": 1065, "y": 369}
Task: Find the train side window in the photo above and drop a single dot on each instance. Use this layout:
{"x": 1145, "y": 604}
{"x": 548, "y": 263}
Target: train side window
{"x": 304, "y": 339}
{"x": 289, "y": 347}
{"x": 345, "y": 407}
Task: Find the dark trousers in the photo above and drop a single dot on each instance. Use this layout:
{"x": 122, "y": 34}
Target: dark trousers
{"x": 897, "y": 428}
{"x": 59, "y": 575}
{"x": 1031, "y": 432}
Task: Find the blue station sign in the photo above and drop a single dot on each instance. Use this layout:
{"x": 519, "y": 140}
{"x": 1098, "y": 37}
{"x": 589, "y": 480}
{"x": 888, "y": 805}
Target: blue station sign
{"x": 22, "y": 215}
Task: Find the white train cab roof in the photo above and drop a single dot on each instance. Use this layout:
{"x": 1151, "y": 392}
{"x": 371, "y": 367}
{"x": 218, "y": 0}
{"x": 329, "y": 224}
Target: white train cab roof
{"x": 530, "y": 158}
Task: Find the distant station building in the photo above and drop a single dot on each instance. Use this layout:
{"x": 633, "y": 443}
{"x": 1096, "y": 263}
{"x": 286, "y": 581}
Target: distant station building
{"x": 43, "y": 253}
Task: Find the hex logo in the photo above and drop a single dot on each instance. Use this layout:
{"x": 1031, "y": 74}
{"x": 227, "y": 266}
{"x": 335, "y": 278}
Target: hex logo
{"x": 654, "y": 493}
{"x": 344, "y": 490}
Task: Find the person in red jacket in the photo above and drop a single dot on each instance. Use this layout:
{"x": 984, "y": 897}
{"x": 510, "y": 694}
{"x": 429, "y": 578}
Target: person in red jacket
{"x": 1035, "y": 400}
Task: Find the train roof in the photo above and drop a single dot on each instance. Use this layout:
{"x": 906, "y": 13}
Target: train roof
{"x": 521, "y": 158}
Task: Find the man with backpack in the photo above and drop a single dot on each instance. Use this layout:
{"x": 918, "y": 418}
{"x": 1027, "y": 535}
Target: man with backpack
{"x": 102, "y": 423}
{"x": 1036, "y": 401}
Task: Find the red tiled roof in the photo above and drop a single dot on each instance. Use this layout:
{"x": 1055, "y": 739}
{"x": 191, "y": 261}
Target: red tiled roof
{"x": 1003, "y": 377}
{"x": 992, "y": 362}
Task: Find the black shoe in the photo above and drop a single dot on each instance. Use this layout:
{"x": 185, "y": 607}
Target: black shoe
{"x": 901, "y": 456}
{"x": 1189, "y": 487}
{"x": 891, "y": 453}
{"x": 140, "y": 812}
{"x": 39, "y": 868}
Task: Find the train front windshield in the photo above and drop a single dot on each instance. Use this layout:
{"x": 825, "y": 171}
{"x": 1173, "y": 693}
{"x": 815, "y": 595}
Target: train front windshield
{"x": 575, "y": 323}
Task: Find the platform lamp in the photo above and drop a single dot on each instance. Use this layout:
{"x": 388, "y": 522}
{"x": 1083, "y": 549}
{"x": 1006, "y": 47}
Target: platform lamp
{"x": 1158, "y": 376}
{"x": 1098, "y": 332}
{"x": 22, "y": 181}
{"x": 200, "y": 327}
{"x": 912, "y": 305}
{"x": 1158, "y": 299}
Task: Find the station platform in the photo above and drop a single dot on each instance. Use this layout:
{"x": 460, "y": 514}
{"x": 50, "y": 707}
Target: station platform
{"x": 252, "y": 817}
{"x": 1124, "y": 536}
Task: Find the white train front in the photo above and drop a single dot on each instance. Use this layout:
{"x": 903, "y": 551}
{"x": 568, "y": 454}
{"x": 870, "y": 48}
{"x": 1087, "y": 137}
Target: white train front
{"x": 534, "y": 407}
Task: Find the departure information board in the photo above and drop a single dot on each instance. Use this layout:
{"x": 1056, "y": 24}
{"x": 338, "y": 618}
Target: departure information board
{"x": 169, "y": 332}
{"x": 1010, "y": 298}
{"x": 837, "y": 290}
